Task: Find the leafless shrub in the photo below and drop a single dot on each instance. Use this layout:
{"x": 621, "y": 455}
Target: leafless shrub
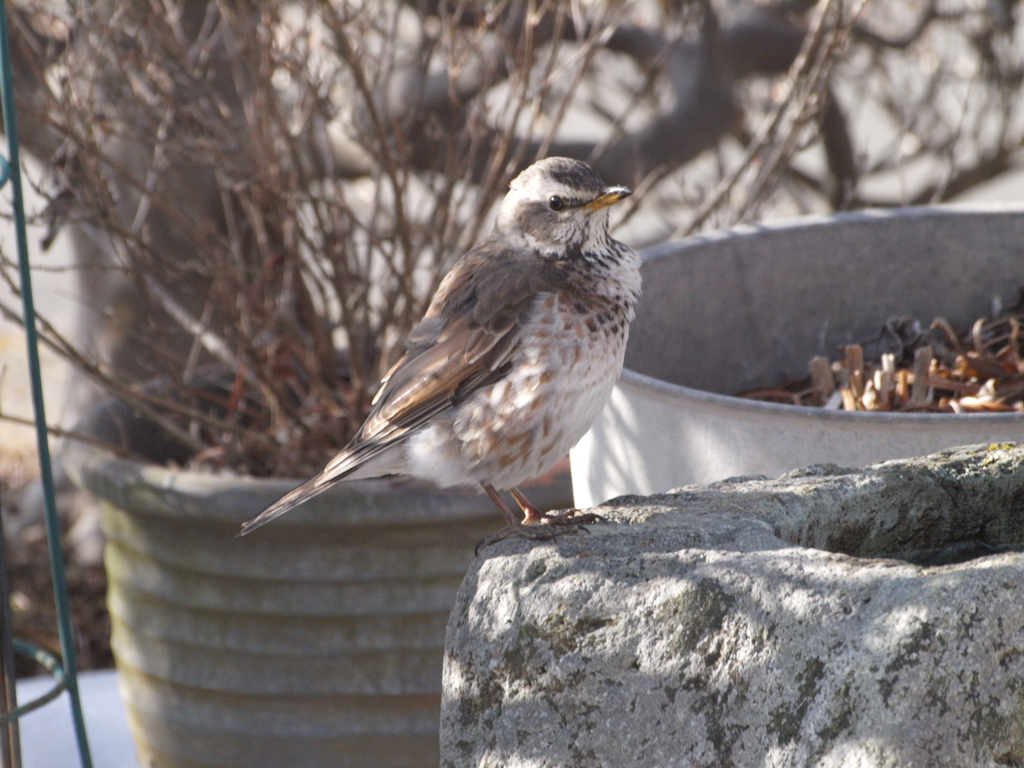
{"x": 249, "y": 169}
{"x": 943, "y": 80}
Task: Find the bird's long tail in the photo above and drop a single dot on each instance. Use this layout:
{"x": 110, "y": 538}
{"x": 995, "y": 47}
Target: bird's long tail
{"x": 358, "y": 463}
{"x": 288, "y": 502}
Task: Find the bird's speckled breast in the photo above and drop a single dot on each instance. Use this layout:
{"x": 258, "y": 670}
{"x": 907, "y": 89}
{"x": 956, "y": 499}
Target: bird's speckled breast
{"x": 570, "y": 356}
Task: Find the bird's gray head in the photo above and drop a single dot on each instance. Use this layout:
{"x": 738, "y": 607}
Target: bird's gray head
{"x": 559, "y": 206}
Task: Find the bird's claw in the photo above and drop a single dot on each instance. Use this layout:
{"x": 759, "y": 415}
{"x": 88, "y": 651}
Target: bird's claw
{"x": 551, "y": 526}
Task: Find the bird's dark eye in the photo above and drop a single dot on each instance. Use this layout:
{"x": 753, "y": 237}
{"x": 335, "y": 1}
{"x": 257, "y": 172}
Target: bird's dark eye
{"x": 556, "y": 203}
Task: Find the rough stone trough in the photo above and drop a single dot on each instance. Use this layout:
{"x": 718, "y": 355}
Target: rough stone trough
{"x": 832, "y": 617}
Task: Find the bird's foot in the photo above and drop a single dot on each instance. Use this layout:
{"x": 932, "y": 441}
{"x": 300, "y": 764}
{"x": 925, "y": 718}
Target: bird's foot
{"x": 548, "y": 526}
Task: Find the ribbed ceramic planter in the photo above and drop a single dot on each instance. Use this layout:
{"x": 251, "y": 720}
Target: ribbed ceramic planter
{"x": 316, "y": 641}
{"x": 748, "y": 308}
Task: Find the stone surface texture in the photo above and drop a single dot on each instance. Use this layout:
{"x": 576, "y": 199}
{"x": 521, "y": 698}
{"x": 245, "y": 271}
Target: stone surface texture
{"x": 754, "y": 622}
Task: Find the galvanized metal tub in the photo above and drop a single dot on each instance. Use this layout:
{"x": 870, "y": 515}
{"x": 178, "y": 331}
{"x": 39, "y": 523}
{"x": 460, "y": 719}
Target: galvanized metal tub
{"x": 317, "y": 641}
{"x": 748, "y": 308}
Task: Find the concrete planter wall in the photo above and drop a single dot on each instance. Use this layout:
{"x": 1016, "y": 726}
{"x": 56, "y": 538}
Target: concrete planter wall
{"x": 317, "y": 642}
{"x": 756, "y": 623}
{"x": 748, "y": 308}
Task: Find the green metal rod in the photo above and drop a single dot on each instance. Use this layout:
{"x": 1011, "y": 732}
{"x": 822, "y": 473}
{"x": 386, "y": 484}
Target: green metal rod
{"x": 51, "y": 665}
{"x": 60, "y": 589}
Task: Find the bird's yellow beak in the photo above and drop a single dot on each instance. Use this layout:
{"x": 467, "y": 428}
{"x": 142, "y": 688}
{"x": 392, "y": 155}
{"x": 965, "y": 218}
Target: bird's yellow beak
{"x": 608, "y": 197}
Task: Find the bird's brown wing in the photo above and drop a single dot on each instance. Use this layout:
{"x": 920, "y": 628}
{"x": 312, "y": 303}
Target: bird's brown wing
{"x": 466, "y": 341}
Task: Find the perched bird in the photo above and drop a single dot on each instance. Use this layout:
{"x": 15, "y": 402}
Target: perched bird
{"x": 515, "y": 357}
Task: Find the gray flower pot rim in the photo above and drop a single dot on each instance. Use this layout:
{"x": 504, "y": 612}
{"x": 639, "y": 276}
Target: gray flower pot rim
{"x": 674, "y": 248}
{"x": 190, "y": 495}
{"x": 639, "y": 380}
